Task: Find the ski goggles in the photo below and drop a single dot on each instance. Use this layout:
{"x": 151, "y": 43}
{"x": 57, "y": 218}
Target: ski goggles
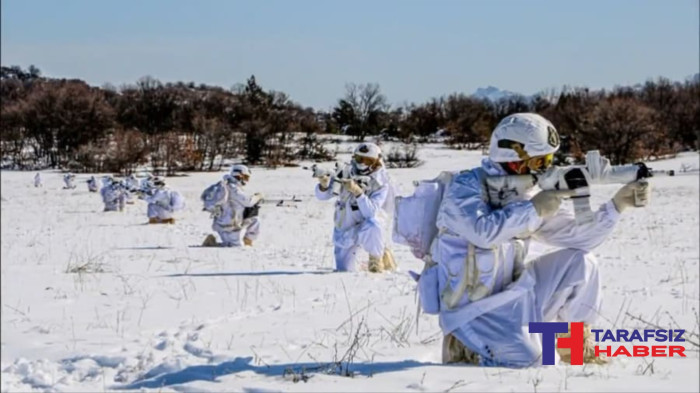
{"x": 369, "y": 161}
{"x": 533, "y": 164}
{"x": 242, "y": 177}
{"x": 540, "y": 162}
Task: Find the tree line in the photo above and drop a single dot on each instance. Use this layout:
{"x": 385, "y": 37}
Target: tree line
{"x": 66, "y": 123}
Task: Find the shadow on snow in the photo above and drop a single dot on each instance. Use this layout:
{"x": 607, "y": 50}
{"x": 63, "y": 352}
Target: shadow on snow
{"x": 246, "y": 274}
{"x": 240, "y": 364}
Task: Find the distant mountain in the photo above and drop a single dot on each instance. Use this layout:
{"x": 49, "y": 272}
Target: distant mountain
{"x": 494, "y": 94}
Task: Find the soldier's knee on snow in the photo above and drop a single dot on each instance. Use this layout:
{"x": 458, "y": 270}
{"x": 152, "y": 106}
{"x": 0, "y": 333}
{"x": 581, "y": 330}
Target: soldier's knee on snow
{"x": 345, "y": 259}
{"x": 341, "y": 268}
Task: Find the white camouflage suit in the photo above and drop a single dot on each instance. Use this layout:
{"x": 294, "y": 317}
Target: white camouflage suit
{"x": 563, "y": 285}
{"x": 113, "y": 197}
{"x": 132, "y": 184}
{"x": 92, "y": 184}
{"x": 359, "y": 222}
{"x": 68, "y": 180}
{"x": 163, "y": 202}
{"x": 229, "y": 222}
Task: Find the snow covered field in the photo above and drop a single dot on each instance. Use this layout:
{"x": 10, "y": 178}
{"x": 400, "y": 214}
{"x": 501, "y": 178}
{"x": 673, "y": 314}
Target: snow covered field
{"x": 95, "y": 301}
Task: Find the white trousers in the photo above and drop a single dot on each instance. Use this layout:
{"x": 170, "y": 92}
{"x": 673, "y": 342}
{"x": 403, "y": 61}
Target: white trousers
{"x": 368, "y": 236}
{"x": 232, "y": 238}
{"x": 567, "y": 289}
{"x": 115, "y": 205}
{"x": 156, "y": 211}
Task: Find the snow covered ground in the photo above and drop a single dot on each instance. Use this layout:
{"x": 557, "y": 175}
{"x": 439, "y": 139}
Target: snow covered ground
{"x": 95, "y": 301}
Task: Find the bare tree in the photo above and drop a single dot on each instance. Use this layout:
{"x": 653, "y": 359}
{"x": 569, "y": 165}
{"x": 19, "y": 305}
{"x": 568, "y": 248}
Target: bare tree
{"x": 618, "y": 126}
{"x": 363, "y": 106}
{"x": 185, "y": 126}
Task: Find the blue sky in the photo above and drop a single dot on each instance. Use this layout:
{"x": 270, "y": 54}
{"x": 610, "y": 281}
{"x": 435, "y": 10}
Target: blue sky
{"x": 310, "y": 48}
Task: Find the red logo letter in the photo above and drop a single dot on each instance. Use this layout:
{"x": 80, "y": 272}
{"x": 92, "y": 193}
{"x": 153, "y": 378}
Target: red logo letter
{"x": 658, "y": 351}
{"x": 606, "y": 350}
{"x": 574, "y": 343}
{"x": 640, "y": 351}
{"x": 676, "y": 349}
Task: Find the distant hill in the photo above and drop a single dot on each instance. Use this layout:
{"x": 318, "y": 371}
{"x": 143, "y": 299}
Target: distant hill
{"x": 494, "y": 94}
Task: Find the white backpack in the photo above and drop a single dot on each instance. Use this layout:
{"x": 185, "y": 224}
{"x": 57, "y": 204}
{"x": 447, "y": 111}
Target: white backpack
{"x": 177, "y": 201}
{"x": 415, "y": 216}
{"x": 214, "y": 195}
{"x": 415, "y": 226}
{"x": 415, "y": 219}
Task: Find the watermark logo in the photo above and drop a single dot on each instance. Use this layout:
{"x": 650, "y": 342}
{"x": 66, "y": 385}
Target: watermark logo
{"x": 575, "y": 341}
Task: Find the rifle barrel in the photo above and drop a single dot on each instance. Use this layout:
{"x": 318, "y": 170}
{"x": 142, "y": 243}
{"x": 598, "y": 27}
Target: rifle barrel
{"x": 695, "y": 172}
{"x": 660, "y": 172}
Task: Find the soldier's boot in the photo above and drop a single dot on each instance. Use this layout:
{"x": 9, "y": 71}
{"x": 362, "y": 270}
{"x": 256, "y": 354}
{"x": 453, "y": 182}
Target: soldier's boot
{"x": 375, "y": 264}
{"x": 388, "y": 262}
{"x": 209, "y": 241}
{"x": 588, "y": 348}
{"x": 453, "y": 351}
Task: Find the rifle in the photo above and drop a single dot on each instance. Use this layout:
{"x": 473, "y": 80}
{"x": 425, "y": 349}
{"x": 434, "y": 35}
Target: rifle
{"x": 255, "y": 209}
{"x": 341, "y": 174}
{"x": 143, "y": 192}
{"x": 280, "y": 201}
{"x": 578, "y": 178}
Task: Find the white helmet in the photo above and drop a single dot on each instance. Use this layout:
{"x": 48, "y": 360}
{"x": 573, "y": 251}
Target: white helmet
{"x": 366, "y": 158}
{"x": 521, "y": 136}
{"x": 240, "y": 173}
